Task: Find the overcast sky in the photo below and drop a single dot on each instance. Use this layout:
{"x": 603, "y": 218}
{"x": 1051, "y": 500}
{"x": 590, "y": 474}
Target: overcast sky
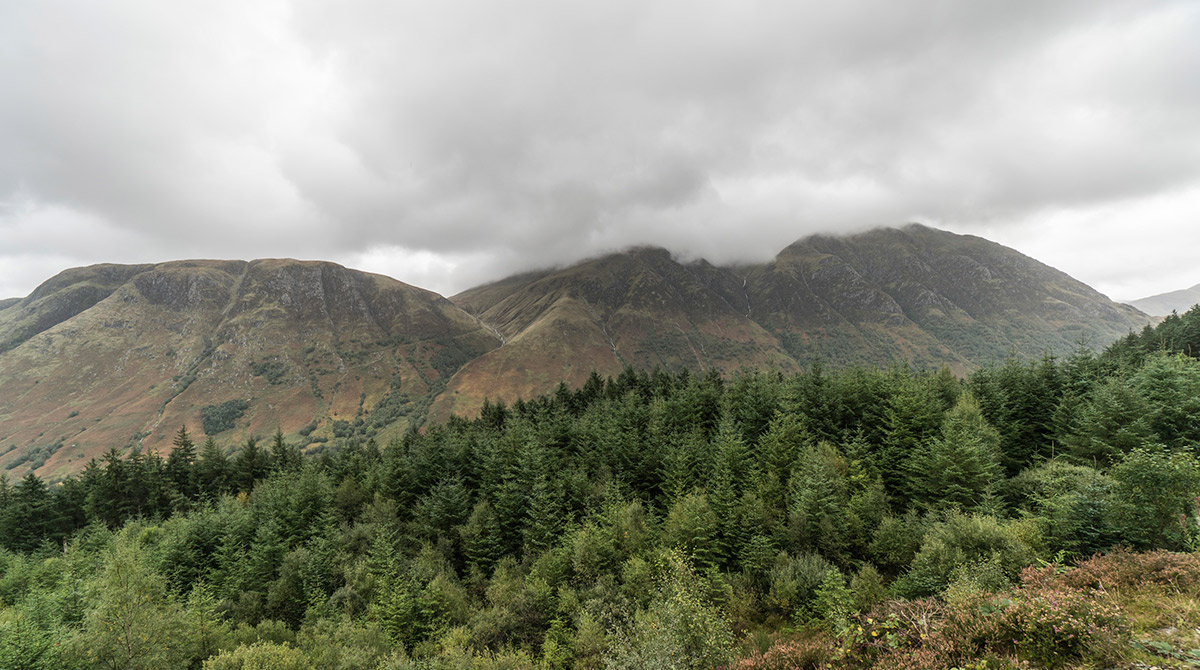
{"x": 450, "y": 142}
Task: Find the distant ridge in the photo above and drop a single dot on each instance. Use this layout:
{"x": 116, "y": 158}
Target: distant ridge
{"x": 1165, "y": 303}
{"x": 121, "y": 356}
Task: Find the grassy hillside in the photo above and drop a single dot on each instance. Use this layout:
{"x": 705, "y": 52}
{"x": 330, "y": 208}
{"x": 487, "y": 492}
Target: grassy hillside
{"x": 122, "y": 356}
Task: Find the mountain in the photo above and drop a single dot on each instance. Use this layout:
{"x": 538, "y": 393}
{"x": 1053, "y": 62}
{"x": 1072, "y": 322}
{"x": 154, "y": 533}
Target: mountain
{"x": 1173, "y": 301}
{"x": 123, "y": 355}
{"x": 914, "y": 294}
{"x": 928, "y": 296}
{"x": 119, "y": 356}
{"x": 639, "y": 308}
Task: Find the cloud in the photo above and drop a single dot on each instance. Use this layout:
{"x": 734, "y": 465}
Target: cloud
{"x": 448, "y": 143}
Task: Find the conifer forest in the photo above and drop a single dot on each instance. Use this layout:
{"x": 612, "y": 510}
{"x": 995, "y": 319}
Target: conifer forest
{"x": 1037, "y": 514}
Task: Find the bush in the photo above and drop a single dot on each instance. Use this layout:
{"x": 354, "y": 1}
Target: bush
{"x": 219, "y": 418}
{"x": 1156, "y": 498}
{"x": 259, "y": 656}
{"x": 1073, "y": 505}
{"x": 794, "y": 581}
{"x": 962, "y": 541}
{"x": 1123, "y": 570}
{"x": 805, "y": 654}
{"x": 1051, "y": 627}
{"x": 679, "y": 629}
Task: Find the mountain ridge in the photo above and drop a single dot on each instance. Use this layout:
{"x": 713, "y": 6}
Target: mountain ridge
{"x": 121, "y": 356}
{"x": 1163, "y": 304}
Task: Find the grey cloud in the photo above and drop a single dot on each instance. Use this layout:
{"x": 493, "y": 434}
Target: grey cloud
{"x": 535, "y": 131}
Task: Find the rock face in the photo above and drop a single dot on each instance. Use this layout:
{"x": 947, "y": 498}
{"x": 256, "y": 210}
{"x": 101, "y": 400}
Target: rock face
{"x": 119, "y": 356}
{"x": 123, "y": 355}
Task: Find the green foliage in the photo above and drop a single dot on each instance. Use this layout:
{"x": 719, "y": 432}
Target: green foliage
{"x": 1074, "y": 506}
{"x": 1156, "y": 497}
{"x": 132, "y": 623}
{"x": 260, "y": 656}
{"x": 271, "y": 369}
{"x": 219, "y": 418}
{"x": 633, "y": 521}
{"x": 28, "y": 641}
{"x": 794, "y": 582}
{"x": 967, "y": 542}
{"x": 679, "y": 629}
{"x": 956, "y": 468}
{"x": 692, "y": 527}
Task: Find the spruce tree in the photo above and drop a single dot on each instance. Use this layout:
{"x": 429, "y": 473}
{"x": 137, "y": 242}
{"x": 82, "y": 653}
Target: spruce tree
{"x": 957, "y": 467}
{"x": 180, "y": 469}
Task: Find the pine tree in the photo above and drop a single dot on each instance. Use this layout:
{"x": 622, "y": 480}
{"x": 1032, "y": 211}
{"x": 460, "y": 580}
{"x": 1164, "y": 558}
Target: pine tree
{"x": 180, "y": 469}
{"x": 819, "y": 507}
{"x": 912, "y": 418}
{"x": 957, "y": 467}
{"x": 214, "y": 473}
{"x": 284, "y": 457}
{"x": 250, "y": 465}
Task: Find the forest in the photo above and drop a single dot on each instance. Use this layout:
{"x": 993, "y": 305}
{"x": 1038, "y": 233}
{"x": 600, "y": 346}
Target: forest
{"x": 1032, "y": 514}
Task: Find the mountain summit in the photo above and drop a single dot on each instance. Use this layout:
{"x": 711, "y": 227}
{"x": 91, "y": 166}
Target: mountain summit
{"x": 121, "y": 356}
{"x": 914, "y": 294}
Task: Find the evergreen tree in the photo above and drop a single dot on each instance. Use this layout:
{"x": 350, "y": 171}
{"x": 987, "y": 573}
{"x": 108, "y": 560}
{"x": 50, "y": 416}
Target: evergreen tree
{"x": 250, "y": 465}
{"x": 912, "y": 418}
{"x": 819, "y": 505}
{"x": 958, "y": 467}
{"x": 214, "y": 473}
{"x": 180, "y": 468}
{"x": 284, "y": 457}
{"x": 1114, "y": 421}
{"x": 693, "y": 528}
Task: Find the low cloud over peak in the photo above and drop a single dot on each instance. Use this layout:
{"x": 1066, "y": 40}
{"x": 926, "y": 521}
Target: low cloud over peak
{"x": 449, "y": 143}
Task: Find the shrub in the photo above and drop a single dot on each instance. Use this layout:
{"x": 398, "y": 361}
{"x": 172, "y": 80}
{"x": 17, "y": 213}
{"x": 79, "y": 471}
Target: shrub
{"x": 965, "y": 540}
{"x": 1052, "y": 627}
{"x": 259, "y": 656}
{"x": 1048, "y": 626}
{"x": 1155, "y": 498}
{"x": 1123, "y": 569}
{"x": 794, "y": 581}
{"x": 678, "y": 630}
{"x": 219, "y": 418}
{"x": 805, "y": 654}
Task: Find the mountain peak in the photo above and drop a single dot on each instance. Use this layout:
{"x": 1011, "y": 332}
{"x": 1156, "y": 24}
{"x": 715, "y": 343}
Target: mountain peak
{"x": 122, "y": 355}
{"x": 112, "y": 356}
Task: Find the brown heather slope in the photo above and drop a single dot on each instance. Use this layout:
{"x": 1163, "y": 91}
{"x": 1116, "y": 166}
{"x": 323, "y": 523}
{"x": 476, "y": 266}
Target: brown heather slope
{"x": 301, "y": 341}
{"x": 639, "y": 308}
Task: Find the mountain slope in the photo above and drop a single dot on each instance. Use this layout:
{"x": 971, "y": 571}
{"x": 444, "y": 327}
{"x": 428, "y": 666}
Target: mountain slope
{"x": 928, "y": 296}
{"x": 1172, "y": 301}
{"x": 638, "y": 308}
{"x": 301, "y": 342}
{"x": 122, "y": 356}
{"x": 915, "y": 295}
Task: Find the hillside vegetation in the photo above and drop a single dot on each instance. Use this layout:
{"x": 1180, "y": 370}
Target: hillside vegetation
{"x": 858, "y": 518}
{"x": 122, "y": 355}
{"x": 918, "y": 295}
